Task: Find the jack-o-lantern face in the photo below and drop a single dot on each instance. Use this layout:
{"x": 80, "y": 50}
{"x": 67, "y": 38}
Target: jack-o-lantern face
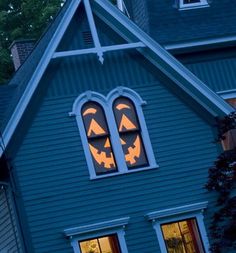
{"x": 129, "y": 130}
{"x": 98, "y": 138}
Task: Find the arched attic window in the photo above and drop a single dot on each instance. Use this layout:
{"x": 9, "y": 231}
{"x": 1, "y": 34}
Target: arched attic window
{"x": 98, "y": 136}
{"x": 113, "y": 132}
{"x": 130, "y": 133}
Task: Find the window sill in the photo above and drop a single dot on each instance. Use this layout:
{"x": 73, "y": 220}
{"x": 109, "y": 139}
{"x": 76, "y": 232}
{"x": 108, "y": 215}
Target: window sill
{"x": 192, "y": 6}
{"x": 124, "y": 172}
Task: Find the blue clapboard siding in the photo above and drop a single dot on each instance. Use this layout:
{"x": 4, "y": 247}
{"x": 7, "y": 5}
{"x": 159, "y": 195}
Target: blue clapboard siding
{"x": 167, "y": 24}
{"x": 214, "y": 75}
{"x": 6, "y": 93}
{"x": 9, "y": 237}
{"x": 51, "y": 167}
{"x": 219, "y": 73}
{"x": 53, "y": 173}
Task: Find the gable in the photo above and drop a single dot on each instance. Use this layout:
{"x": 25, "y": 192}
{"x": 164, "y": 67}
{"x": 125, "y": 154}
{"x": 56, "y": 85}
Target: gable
{"x": 51, "y": 165}
{"x": 135, "y": 38}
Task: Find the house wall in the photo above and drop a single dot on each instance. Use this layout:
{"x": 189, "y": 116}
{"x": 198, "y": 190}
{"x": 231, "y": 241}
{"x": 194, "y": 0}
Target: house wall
{"x": 9, "y": 236}
{"x": 216, "y": 68}
{"x": 51, "y": 169}
{"x": 168, "y": 24}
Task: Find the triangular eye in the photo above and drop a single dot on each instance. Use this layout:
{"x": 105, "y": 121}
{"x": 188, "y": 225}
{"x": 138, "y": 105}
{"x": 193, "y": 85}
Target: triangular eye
{"x": 126, "y": 124}
{"x": 95, "y": 128}
{"x": 94, "y": 120}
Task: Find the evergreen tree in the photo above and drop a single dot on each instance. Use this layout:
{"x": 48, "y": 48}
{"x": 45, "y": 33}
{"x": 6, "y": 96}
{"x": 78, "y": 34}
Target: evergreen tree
{"x": 22, "y": 19}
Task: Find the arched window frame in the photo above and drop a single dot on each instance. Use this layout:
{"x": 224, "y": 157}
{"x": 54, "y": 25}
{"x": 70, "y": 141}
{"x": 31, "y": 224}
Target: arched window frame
{"x": 107, "y": 104}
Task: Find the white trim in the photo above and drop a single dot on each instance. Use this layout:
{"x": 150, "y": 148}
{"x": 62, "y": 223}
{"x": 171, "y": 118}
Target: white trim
{"x": 197, "y": 207}
{"x": 124, "y": 172}
{"x": 93, "y": 30}
{"x": 98, "y": 230}
{"x": 188, "y": 6}
{"x": 227, "y": 94}
{"x": 122, "y": 222}
{"x": 120, "y": 5}
{"x": 176, "y": 214}
{"x": 41, "y": 67}
{"x": 94, "y": 50}
{"x": 199, "y": 43}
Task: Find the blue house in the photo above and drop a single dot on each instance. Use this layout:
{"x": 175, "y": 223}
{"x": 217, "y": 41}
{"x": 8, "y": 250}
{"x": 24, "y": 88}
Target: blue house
{"x": 108, "y": 128}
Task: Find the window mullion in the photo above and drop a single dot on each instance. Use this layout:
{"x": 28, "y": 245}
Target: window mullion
{"x": 145, "y": 137}
{"x": 115, "y": 140}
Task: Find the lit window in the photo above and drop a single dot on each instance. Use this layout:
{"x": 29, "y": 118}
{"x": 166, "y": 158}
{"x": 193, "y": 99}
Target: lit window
{"x": 98, "y": 138}
{"x": 106, "y": 244}
{"x": 182, "y": 237}
{"x": 103, "y": 237}
{"x": 130, "y": 133}
{"x": 114, "y": 136}
{"x": 189, "y": 4}
{"x": 181, "y": 229}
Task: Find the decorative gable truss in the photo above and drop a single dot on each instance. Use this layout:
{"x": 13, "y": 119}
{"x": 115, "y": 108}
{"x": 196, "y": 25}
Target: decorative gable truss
{"x": 136, "y": 39}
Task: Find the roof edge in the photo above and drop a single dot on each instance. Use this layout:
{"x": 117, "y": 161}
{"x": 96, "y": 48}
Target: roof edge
{"x": 201, "y": 45}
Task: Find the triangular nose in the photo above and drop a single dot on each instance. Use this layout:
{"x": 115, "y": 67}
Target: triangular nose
{"x": 107, "y": 143}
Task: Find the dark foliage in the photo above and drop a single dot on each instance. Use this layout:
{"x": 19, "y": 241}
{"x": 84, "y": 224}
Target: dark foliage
{"x": 222, "y": 179}
{"x": 22, "y": 19}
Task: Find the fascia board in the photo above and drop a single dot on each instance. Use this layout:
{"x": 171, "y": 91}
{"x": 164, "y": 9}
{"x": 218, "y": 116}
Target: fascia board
{"x": 183, "y": 78}
{"x": 201, "y": 44}
{"x": 37, "y": 75}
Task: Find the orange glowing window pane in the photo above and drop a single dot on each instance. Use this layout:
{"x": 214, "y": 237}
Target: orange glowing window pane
{"x": 182, "y": 237}
{"x": 94, "y": 120}
{"x": 106, "y": 244}
{"x": 98, "y": 138}
{"x": 130, "y": 134}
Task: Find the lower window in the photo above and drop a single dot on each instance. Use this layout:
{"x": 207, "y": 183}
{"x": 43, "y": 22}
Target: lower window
{"x": 102, "y": 237}
{"x": 181, "y": 229}
{"x": 182, "y": 237}
{"x": 105, "y": 244}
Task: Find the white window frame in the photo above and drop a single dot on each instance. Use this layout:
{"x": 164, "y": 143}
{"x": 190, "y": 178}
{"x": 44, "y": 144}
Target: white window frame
{"x": 194, "y": 211}
{"x": 106, "y": 103}
{"x": 96, "y": 230}
{"x": 200, "y": 4}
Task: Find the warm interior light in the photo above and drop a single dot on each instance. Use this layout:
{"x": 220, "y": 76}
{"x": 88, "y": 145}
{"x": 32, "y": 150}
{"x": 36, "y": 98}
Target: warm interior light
{"x": 182, "y": 237}
{"x": 107, "y": 244}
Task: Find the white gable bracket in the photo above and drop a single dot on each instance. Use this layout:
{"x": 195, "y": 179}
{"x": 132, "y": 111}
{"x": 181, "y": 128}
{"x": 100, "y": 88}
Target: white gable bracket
{"x": 94, "y": 50}
{"x": 93, "y": 30}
